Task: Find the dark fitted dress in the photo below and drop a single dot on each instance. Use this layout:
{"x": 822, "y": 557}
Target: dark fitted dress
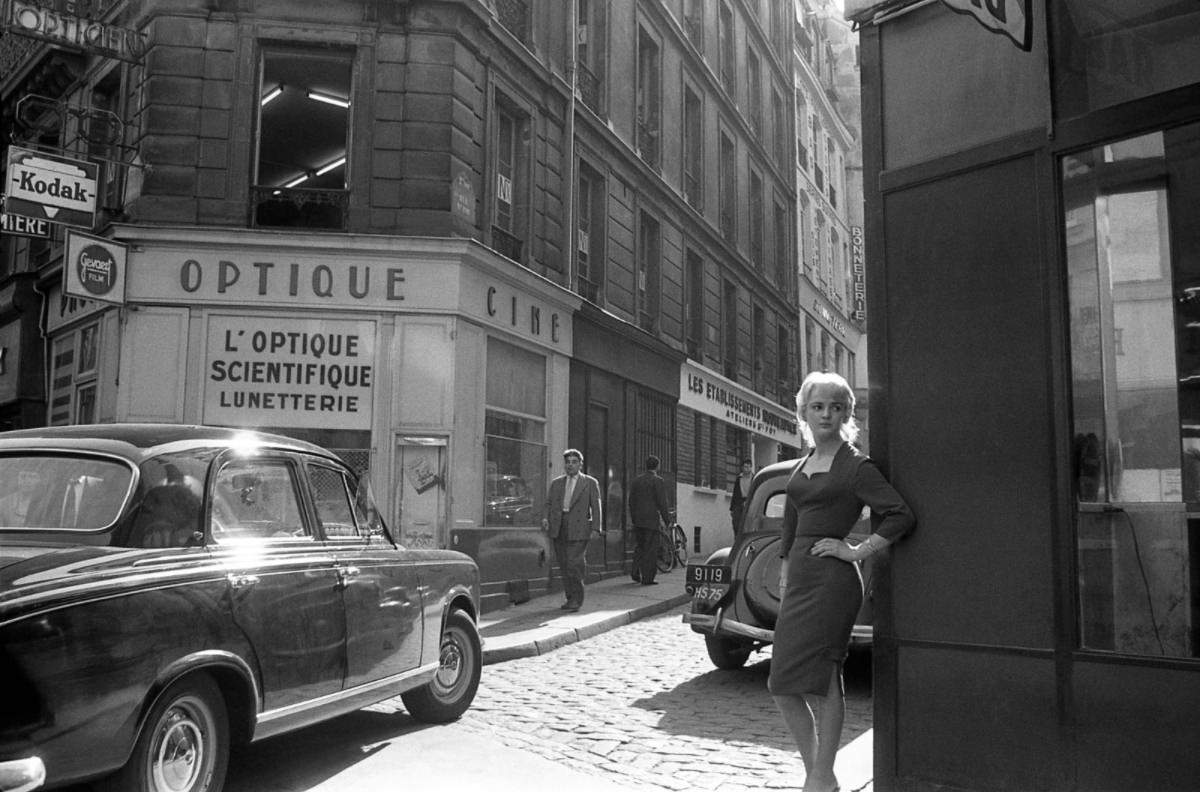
{"x": 823, "y": 595}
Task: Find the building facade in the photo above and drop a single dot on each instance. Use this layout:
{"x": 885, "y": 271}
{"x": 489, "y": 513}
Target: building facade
{"x": 1033, "y": 169}
{"x": 446, "y": 239}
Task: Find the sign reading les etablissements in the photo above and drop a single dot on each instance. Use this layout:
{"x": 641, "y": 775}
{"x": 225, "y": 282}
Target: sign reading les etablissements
{"x": 47, "y": 187}
{"x": 94, "y": 268}
{"x": 313, "y": 373}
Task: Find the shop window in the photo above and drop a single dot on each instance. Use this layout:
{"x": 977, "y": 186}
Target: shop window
{"x": 75, "y": 362}
{"x": 301, "y": 168}
{"x": 654, "y": 432}
{"x": 1116, "y": 51}
{"x": 515, "y": 458}
{"x": 511, "y": 188}
{"x": 1134, "y": 298}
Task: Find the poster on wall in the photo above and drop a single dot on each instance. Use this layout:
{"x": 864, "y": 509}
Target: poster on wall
{"x": 311, "y": 373}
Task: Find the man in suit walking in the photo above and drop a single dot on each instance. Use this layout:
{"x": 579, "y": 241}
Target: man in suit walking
{"x": 572, "y": 516}
{"x": 648, "y": 507}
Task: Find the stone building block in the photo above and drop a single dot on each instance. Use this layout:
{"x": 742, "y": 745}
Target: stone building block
{"x": 425, "y": 165}
{"x": 174, "y": 90}
{"x": 164, "y": 209}
{"x": 222, "y": 211}
{"x": 170, "y": 150}
{"x": 169, "y": 180}
{"x": 391, "y": 49}
{"x": 385, "y": 193}
{"x": 184, "y": 31}
{"x": 425, "y": 194}
{"x": 216, "y": 95}
{"x": 387, "y": 164}
{"x": 388, "y": 135}
{"x": 211, "y": 183}
{"x": 389, "y": 106}
{"x": 390, "y": 77}
{"x": 420, "y": 136}
{"x": 166, "y": 119}
{"x": 428, "y": 107}
{"x": 220, "y": 65}
{"x": 431, "y": 49}
{"x": 221, "y": 35}
{"x": 438, "y": 79}
{"x": 214, "y": 153}
{"x": 424, "y": 222}
{"x": 175, "y": 60}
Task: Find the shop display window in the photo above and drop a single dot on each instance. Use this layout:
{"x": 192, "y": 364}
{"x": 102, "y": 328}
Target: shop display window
{"x": 1133, "y": 268}
{"x": 514, "y": 437}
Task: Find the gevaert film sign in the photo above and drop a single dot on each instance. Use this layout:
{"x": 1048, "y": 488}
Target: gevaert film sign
{"x": 52, "y": 188}
{"x": 94, "y": 268}
{"x": 313, "y": 373}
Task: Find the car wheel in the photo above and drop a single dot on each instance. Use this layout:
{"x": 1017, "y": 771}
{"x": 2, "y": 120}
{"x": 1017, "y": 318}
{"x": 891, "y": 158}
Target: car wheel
{"x": 725, "y": 653}
{"x": 184, "y": 744}
{"x": 452, "y": 690}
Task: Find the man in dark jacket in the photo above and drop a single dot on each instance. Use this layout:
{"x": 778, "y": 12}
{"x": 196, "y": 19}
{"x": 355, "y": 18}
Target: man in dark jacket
{"x": 648, "y": 508}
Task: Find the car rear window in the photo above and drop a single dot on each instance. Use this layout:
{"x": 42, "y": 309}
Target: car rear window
{"x": 62, "y": 491}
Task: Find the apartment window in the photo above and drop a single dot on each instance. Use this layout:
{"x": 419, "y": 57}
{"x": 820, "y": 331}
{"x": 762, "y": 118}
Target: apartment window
{"x": 514, "y": 16}
{"x": 694, "y": 305}
{"x": 301, "y": 166}
{"x": 754, "y": 90}
{"x": 591, "y": 52}
{"x": 727, "y": 187}
{"x": 648, "y": 99}
{"x": 693, "y": 149}
{"x": 514, "y": 435}
{"x": 759, "y": 330}
{"x": 693, "y": 23}
{"x": 648, "y": 273}
{"x": 783, "y": 251}
{"x": 590, "y": 234}
{"x": 756, "y": 220}
{"x": 779, "y": 132}
{"x": 725, "y": 56}
{"x": 801, "y": 130}
{"x": 783, "y": 360}
{"x": 810, "y": 346}
{"x": 511, "y": 188}
{"x": 806, "y": 245}
{"x": 729, "y": 326}
{"x": 824, "y": 351}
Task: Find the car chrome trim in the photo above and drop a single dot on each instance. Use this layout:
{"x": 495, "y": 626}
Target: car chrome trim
{"x": 716, "y": 624}
{"x": 42, "y": 602}
{"x": 428, "y": 669}
{"x": 22, "y": 775}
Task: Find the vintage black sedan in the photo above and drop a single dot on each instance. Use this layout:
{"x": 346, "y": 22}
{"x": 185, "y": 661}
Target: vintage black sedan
{"x": 169, "y": 592}
{"x": 735, "y": 592}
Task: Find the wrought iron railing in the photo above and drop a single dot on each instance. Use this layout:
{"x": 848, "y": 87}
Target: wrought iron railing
{"x": 506, "y": 244}
{"x": 299, "y": 208}
{"x": 589, "y": 290}
{"x": 514, "y": 16}
{"x": 588, "y": 85}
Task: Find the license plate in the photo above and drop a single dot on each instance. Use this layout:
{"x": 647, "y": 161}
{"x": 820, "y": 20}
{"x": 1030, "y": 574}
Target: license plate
{"x": 708, "y": 582}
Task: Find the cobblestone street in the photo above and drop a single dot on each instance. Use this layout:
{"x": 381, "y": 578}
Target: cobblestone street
{"x": 642, "y": 704}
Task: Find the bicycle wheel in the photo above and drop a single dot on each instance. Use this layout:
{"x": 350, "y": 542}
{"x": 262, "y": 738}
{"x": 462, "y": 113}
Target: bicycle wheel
{"x": 679, "y": 545}
{"x": 665, "y": 558}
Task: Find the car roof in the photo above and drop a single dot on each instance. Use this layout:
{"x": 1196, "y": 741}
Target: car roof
{"x": 138, "y": 441}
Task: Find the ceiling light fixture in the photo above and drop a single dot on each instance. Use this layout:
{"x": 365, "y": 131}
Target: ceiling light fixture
{"x": 337, "y": 163}
{"x": 327, "y": 99}
{"x": 296, "y": 181}
{"x": 274, "y": 93}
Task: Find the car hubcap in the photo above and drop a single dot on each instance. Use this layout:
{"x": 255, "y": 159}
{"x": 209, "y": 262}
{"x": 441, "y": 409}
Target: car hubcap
{"x": 177, "y": 763}
{"x": 450, "y": 670}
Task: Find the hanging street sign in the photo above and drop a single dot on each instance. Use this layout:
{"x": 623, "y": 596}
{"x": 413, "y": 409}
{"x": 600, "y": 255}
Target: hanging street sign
{"x": 23, "y": 226}
{"x": 94, "y": 268}
{"x": 51, "y": 188}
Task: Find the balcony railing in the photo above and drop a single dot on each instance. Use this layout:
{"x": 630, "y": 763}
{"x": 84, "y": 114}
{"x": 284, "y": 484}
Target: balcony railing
{"x": 691, "y": 191}
{"x": 275, "y": 207}
{"x": 589, "y": 290}
{"x": 506, "y": 244}
{"x": 514, "y": 16}
{"x": 647, "y": 138}
{"x": 588, "y": 85}
{"x": 727, "y": 224}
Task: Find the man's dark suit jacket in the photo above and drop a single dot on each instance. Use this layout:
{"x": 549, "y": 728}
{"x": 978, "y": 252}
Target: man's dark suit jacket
{"x": 583, "y": 517}
{"x": 648, "y": 501}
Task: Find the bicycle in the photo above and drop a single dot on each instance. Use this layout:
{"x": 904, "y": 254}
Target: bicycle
{"x": 672, "y": 547}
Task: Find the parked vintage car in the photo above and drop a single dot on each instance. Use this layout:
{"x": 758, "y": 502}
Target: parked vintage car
{"x": 735, "y": 592}
{"x": 167, "y": 592}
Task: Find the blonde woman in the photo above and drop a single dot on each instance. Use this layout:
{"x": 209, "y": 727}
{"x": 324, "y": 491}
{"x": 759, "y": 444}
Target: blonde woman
{"x": 821, "y": 586}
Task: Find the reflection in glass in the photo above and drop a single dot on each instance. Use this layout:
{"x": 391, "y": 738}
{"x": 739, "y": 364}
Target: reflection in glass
{"x": 1135, "y": 459}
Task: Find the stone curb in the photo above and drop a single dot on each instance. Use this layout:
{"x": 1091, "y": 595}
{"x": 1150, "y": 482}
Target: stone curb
{"x": 567, "y": 636}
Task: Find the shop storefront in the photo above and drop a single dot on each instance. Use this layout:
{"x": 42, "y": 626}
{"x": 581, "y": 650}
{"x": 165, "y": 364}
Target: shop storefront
{"x": 722, "y": 424}
{"x": 1034, "y": 358}
{"x": 430, "y": 364}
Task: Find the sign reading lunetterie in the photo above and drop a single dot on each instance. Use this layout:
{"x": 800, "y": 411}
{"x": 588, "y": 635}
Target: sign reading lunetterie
{"x": 312, "y": 373}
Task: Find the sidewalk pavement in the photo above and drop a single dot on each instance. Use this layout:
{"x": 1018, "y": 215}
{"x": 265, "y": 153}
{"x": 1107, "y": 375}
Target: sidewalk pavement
{"x": 539, "y": 626}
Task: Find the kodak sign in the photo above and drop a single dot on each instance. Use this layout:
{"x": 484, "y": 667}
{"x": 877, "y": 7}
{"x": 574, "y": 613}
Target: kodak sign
{"x": 51, "y": 188}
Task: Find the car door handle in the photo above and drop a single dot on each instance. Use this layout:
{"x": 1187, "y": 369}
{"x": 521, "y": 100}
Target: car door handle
{"x": 346, "y": 575}
{"x": 243, "y": 581}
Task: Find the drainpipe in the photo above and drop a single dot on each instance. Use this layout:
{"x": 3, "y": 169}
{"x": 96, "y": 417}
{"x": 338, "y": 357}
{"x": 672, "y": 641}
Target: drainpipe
{"x": 569, "y": 148}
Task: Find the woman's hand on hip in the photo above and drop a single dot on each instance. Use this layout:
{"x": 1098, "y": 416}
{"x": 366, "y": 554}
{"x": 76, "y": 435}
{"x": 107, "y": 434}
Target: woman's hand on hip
{"x": 832, "y": 548}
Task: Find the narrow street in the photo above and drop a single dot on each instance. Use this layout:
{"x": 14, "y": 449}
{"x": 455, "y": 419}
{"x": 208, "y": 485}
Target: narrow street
{"x": 638, "y": 708}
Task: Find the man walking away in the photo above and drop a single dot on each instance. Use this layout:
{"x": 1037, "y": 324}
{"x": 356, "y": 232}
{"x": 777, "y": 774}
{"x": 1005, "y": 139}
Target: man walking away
{"x": 648, "y": 508}
{"x": 572, "y": 516}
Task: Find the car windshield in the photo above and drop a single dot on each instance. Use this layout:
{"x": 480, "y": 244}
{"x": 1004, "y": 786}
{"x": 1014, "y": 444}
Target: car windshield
{"x": 61, "y": 491}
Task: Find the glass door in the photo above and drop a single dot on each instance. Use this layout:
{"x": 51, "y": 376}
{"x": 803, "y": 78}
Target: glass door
{"x": 420, "y": 492}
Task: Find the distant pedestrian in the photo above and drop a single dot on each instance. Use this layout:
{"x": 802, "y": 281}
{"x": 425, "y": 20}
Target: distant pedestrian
{"x": 649, "y": 508}
{"x": 572, "y": 516}
{"x": 820, "y": 583}
{"x": 741, "y": 488}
